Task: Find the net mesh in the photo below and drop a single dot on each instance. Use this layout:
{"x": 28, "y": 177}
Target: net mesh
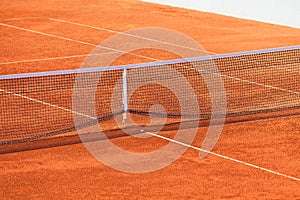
{"x": 39, "y": 105}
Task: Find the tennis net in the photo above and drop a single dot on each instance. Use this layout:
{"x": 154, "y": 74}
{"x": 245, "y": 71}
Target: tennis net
{"x": 41, "y": 105}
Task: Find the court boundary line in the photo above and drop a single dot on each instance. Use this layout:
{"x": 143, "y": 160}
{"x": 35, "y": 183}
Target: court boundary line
{"x": 224, "y": 157}
{"x": 54, "y": 58}
{"x": 286, "y": 69}
{"x": 279, "y": 68}
{"x": 21, "y": 18}
{"x": 47, "y": 104}
{"x": 120, "y": 51}
{"x": 263, "y": 85}
{"x": 47, "y": 34}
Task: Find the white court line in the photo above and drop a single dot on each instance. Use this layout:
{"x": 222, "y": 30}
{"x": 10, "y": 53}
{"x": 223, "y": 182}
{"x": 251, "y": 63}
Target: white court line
{"x": 54, "y": 58}
{"x": 21, "y": 18}
{"x": 47, "y": 104}
{"x": 48, "y": 34}
{"x": 282, "y": 68}
{"x": 225, "y": 157}
{"x": 279, "y": 68}
{"x": 248, "y": 81}
{"x": 261, "y": 84}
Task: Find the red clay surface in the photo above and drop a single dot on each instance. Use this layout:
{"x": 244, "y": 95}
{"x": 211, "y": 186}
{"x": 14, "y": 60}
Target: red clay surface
{"x": 71, "y": 172}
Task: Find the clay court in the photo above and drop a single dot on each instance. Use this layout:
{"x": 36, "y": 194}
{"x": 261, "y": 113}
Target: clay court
{"x": 256, "y": 156}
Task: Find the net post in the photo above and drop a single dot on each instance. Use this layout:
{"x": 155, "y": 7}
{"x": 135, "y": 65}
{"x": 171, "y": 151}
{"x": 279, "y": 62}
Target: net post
{"x": 124, "y": 95}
